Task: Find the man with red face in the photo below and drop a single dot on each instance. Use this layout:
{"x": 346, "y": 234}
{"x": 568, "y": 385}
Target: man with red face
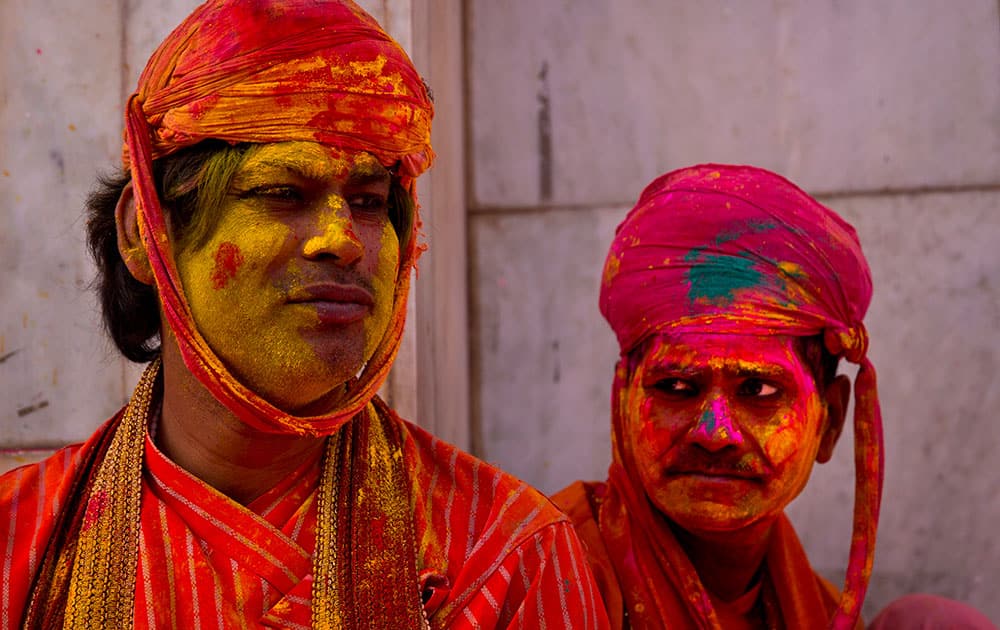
{"x": 733, "y": 295}
{"x": 256, "y": 250}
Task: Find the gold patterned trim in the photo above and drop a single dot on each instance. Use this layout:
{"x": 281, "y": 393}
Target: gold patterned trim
{"x": 365, "y": 560}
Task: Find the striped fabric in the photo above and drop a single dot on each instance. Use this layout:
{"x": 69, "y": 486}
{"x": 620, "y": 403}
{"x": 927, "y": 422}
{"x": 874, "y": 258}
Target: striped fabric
{"x": 493, "y": 552}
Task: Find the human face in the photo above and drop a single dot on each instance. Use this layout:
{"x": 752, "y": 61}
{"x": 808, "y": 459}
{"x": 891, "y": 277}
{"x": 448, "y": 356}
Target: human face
{"x": 293, "y": 289}
{"x": 724, "y": 428}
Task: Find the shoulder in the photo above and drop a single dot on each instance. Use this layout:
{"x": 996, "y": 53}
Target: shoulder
{"x": 31, "y": 497}
{"x": 470, "y": 497}
{"x": 581, "y": 500}
{"x": 22, "y": 485}
{"x": 493, "y": 539}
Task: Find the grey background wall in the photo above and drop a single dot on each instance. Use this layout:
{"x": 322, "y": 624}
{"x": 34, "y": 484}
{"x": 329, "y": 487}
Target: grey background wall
{"x": 888, "y": 111}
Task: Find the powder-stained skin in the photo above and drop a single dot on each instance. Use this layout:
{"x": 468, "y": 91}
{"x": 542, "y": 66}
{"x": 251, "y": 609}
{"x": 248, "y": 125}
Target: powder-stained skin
{"x": 294, "y": 288}
{"x": 228, "y": 260}
{"x": 725, "y": 428}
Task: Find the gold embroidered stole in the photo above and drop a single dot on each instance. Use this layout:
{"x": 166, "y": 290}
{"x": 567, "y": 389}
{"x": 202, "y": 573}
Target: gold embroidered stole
{"x": 364, "y": 564}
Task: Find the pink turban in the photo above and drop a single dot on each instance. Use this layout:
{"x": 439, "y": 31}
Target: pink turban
{"x": 735, "y": 249}
{"x": 740, "y": 250}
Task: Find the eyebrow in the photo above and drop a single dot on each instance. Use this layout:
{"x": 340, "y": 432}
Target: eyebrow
{"x": 739, "y": 368}
{"x": 360, "y": 175}
{"x": 758, "y": 371}
{"x": 363, "y": 177}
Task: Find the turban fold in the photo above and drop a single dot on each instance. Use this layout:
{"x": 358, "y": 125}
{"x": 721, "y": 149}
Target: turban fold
{"x": 735, "y": 249}
{"x": 740, "y": 250}
{"x": 265, "y": 71}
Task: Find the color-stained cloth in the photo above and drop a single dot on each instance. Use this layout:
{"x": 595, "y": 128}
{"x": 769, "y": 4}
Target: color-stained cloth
{"x": 791, "y": 594}
{"x": 491, "y": 551}
{"x": 923, "y": 611}
{"x": 733, "y": 250}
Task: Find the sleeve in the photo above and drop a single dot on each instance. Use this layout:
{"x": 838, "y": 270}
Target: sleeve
{"x": 542, "y": 583}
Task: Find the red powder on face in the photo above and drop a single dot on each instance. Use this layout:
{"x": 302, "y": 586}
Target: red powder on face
{"x": 228, "y": 260}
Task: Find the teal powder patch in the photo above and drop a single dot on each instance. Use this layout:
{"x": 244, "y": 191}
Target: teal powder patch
{"x": 717, "y": 278}
{"x": 750, "y": 226}
{"x": 708, "y": 421}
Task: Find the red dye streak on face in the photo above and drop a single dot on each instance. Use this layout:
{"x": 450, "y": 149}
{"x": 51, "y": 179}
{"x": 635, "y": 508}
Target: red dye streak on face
{"x": 228, "y": 260}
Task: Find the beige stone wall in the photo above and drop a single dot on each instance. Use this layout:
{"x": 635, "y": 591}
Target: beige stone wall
{"x": 889, "y": 111}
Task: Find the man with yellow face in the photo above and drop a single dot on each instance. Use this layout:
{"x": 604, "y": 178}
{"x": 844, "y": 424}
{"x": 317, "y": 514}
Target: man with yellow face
{"x": 256, "y": 250}
{"x": 733, "y": 295}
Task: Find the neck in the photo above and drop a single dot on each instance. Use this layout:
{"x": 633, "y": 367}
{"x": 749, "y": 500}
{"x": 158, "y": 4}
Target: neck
{"x": 203, "y": 437}
{"x": 728, "y": 563}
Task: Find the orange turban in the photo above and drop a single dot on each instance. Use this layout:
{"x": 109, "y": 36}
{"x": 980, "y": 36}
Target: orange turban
{"x": 272, "y": 71}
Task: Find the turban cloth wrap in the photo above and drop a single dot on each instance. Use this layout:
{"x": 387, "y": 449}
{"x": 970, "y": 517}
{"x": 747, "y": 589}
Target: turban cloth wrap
{"x": 737, "y": 250}
{"x": 257, "y": 71}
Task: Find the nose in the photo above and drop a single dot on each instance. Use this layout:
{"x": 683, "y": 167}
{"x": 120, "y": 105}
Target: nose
{"x": 333, "y": 234}
{"x": 716, "y": 429}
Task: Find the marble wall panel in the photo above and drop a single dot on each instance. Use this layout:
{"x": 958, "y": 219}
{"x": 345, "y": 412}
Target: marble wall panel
{"x": 59, "y": 123}
{"x": 583, "y": 102}
{"x": 542, "y": 356}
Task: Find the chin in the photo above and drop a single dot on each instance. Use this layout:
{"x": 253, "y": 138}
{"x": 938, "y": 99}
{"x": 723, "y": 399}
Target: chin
{"x": 302, "y": 390}
{"x": 712, "y": 518}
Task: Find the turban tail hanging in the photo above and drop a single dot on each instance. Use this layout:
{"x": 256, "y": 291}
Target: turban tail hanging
{"x": 740, "y": 250}
{"x": 261, "y": 72}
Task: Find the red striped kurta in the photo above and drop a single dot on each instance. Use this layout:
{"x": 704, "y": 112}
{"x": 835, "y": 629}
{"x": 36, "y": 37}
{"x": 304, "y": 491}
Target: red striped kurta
{"x": 492, "y": 552}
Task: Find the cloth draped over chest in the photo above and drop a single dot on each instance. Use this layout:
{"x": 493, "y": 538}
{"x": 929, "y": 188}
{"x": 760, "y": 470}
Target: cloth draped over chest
{"x": 358, "y": 542}
{"x": 262, "y": 71}
{"x": 491, "y": 552}
{"x": 790, "y": 593}
{"x": 734, "y": 250}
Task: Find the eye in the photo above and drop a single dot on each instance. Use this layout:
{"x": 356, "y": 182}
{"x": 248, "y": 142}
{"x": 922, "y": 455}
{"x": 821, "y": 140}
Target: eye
{"x": 677, "y": 387}
{"x": 274, "y": 192}
{"x": 369, "y": 203}
{"x": 756, "y": 388}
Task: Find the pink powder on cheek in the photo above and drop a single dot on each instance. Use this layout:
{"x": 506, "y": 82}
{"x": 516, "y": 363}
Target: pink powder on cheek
{"x": 228, "y": 260}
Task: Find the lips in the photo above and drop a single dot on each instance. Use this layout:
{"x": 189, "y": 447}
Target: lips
{"x": 719, "y": 474}
{"x": 719, "y": 467}
{"x": 335, "y": 303}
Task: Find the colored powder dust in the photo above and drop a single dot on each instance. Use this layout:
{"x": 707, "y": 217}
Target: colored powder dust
{"x": 717, "y": 278}
{"x": 708, "y": 421}
{"x": 228, "y": 260}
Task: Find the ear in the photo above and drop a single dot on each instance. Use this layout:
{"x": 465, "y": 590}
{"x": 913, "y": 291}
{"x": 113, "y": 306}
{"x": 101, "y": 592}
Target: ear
{"x": 837, "y": 395}
{"x": 130, "y": 246}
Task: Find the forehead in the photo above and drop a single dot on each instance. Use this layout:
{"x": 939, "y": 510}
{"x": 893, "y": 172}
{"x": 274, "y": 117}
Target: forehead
{"x": 723, "y": 352}
{"x": 312, "y": 159}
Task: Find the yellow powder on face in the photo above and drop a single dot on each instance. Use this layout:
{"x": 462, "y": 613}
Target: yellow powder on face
{"x": 334, "y": 231}
{"x": 245, "y": 322}
{"x": 276, "y": 234}
{"x": 383, "y": 287}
